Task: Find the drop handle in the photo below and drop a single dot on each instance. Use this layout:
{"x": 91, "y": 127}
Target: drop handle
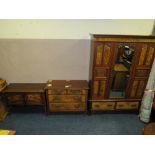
{"x": 68, "y": 86}
{"x": 109, "y": 105}
{"x": 97, "y": 106}
{"x": 120, "y": 105}
{"x": 77, "y": 106}
{"x": 133, "y": 105}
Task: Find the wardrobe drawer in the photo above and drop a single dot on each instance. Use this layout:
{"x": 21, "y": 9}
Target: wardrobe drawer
{"x": 127, "y": 105}
{"x": 66, "y": 98}
{"x": 103, "y": 106}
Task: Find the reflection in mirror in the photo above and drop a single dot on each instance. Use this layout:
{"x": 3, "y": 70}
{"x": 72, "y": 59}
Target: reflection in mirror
{"x": 121, "y": 71}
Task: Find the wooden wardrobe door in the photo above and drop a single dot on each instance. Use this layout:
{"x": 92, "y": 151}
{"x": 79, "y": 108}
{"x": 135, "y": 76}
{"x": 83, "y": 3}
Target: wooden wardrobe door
{"x": 141, "y": 70}
{"x": 103, "y": 57}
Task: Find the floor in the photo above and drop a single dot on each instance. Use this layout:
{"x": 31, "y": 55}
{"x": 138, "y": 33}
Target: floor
{"x": 37, "y": 123}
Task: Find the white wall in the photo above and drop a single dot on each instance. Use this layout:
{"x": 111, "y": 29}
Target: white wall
{"x": 38, "y": 60}
{"x": 38, "y": 50}
{"x": 72, "y": 29}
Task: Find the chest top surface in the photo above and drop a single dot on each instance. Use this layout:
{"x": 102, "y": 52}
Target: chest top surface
{"x": 25, "y": 87}
{"x": 122, "y": 38}
{"x": 67, "y": 84}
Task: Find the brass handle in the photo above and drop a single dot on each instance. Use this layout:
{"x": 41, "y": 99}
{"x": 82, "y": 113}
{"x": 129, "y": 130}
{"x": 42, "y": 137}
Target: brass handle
{"x": 109, "y": 105}
{"x": 57, "y": 105}
{"x": 97, "y": 106}
{"x": 49, "y": 85}
{"x": 133, "y": 105}
{"x": 68, "y": 86}
{"x": 77, "y": 106}
{"x": 120, "y": 105}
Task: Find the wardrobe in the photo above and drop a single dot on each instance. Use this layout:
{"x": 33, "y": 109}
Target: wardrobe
{"x": 119, "y": 70}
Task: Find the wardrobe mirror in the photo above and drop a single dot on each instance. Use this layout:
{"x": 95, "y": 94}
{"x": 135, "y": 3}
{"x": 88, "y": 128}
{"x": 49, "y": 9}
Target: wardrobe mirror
{"x": 121, "y": 71}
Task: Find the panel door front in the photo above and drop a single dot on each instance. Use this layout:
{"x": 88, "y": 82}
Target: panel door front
{"x": 102, "y": 67}
{"x": 144, "y": 60}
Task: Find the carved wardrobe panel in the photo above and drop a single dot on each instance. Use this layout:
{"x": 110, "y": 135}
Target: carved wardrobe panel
{"x": 101, "y": 69}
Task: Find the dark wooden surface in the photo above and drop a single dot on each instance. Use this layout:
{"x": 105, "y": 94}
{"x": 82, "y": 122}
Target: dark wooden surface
{"x": 24, "y": 87}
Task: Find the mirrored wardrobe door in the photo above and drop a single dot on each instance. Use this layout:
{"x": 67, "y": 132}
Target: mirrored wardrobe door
{"x": 124, "y": 54}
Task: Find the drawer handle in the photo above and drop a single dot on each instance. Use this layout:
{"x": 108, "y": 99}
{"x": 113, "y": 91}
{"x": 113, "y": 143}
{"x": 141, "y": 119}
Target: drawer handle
{"x": 57, "y": 105}
{"x": 97, "y": 106}
{"x": 77, "y": 106}
{"x": 134, "y": 105}
{"x": 68, "y": 86}
{"x": 109, "y": 105}
{"x": 120, "y": 105}
{"x": 77, "y": 97}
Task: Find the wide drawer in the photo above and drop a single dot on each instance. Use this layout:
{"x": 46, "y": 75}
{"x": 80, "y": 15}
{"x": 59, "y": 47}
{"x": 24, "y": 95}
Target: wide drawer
{"x": 103, "y": 106}
{"x": 62, "y": 107}
{"x": 15, "y": 99}
{"x": 76, "y": 92}
{"x": 66, "y": 92}
{"x": 34, "y": 99}
{"x": 67, "y": 98}
{"x": 127, "y": 105}
{"x": 57, "y": 92}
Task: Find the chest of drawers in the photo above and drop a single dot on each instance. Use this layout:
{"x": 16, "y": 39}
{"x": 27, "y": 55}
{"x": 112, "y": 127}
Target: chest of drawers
{"x": 67, "y": 96}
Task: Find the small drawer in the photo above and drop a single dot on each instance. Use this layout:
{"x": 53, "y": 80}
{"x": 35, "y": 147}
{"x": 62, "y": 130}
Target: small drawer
{"x": 55, "y": 107}
{"x": 15, "y": 99}
{"x": 76, "y": 92}
{"x": 57, "y": 92}
{"x": 67, "y": 98}
{"x": 34, "y": 99}
{"x": 100, "y": 106}
{"x": 77, "y": 107}
{"x": 64, "y": 107}
{"x": 2, "y": 108}
{"x": 127, "y": 105}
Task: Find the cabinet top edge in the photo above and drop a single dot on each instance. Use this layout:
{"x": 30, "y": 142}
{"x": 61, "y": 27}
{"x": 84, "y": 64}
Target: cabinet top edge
{"x": 67, "y": 84}
{"x": 123, "y": 38}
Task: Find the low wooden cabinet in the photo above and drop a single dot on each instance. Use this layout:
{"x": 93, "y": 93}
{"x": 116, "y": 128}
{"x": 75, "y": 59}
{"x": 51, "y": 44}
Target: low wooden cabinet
{"x": 67, "y": 96}
{"x": 25, "y": 94}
